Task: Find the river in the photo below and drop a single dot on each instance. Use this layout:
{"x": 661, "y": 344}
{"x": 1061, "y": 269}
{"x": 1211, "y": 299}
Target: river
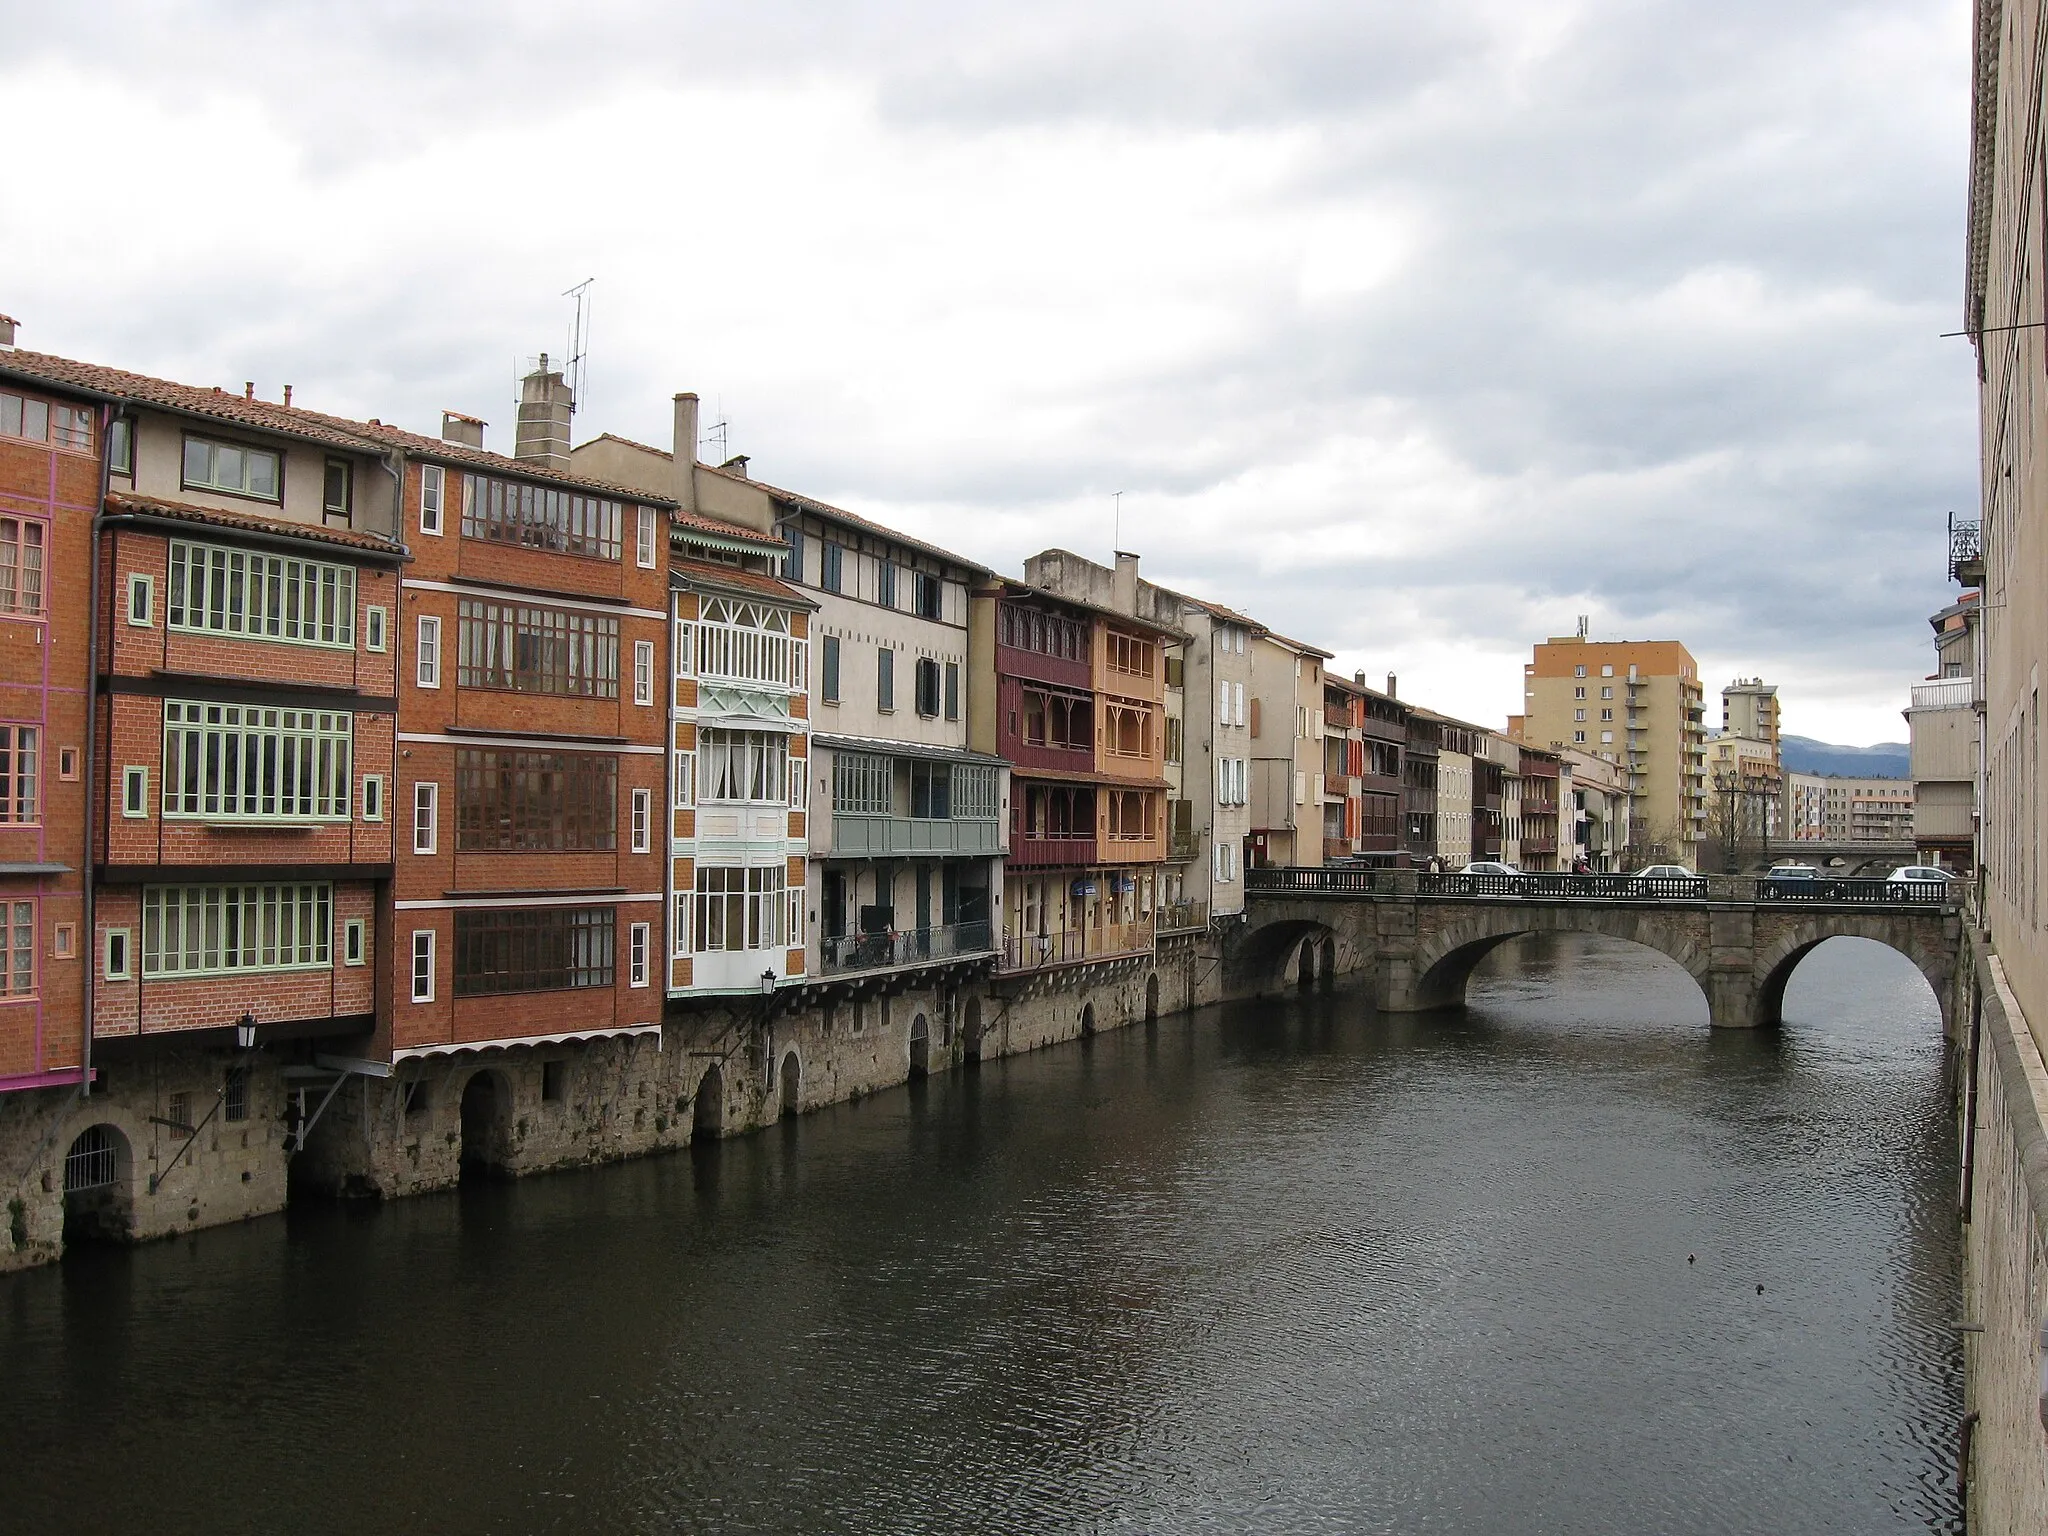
{"x": 1567, "y": 1261}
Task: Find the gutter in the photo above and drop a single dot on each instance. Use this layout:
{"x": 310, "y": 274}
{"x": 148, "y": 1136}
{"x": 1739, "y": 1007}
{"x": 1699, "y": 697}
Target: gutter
{"x": 89, "y": 959}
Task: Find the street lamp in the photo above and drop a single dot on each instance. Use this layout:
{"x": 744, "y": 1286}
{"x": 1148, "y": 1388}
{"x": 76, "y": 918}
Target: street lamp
{"x": 245, "y": 1032}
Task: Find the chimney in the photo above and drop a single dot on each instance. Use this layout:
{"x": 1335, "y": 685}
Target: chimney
{"x": 545, "y": 404}
{"x": 466, "y": 430}
{"x": 287, "y": 397}
{"x": 7, "y": 332}
{"x": 683, "y": 452}
{"x": 248, "y": 389}
{"x": 737, "y": 464}
{"x": 1124, "y": 592}
{"x": 1391, "y": 691}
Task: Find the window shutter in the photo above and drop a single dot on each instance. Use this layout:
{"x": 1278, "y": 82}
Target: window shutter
{"x": 1222, "y": 703}
{"x": 1255, "y": 716}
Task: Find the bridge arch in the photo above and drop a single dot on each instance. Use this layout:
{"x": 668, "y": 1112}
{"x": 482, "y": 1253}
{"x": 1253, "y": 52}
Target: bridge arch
{"x": 1777, "y": 960}
{"x": 1444, "y": 964}
{"x": 1288, "y": 951}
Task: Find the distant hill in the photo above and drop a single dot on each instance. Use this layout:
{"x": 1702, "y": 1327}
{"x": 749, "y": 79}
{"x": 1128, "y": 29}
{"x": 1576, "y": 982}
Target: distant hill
{"x": 1886, "y": 760}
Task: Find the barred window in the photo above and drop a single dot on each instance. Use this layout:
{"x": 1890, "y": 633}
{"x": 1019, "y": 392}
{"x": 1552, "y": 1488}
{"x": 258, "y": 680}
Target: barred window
{"x": 21, "y": 564}
{"x": 742, "y": 765}
{"x": 534, "y": 802}
{"x": 267, "y": 597}
{"x": 738, "y": 908}
{"x": 20, "y": 768}
{"x": 540, "y": 517}
{"x": 745, "y": 642}
{"x": 229, "y": 761}
{"x": 204, "y": 930}
{"x": 862, "y": 785}
{"x": 974, "y": 792}
{"x": 537, "y": 650}
{"x": 532, "y": 949}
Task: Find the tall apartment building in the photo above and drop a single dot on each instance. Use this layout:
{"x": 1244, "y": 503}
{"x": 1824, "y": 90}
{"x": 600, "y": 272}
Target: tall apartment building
{"x": 1749, "y": 709}
{"x": 1832, "y": 808}
{"x": 1545, "y": 781}
{"x": 1944, "y": 729}
{"x": 1640, "y": 704}
{"x": 1286, "y": 724}
{"x": 1073, "y": 697}
{"x": 1365, "y": 736}
{"x": 1208, "y": 746}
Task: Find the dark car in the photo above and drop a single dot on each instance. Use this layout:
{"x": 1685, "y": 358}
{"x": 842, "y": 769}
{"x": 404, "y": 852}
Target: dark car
{"x": 1791, "y": 882}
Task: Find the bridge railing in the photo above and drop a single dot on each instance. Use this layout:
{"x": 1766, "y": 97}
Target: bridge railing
{"x": 1351, "y": 880}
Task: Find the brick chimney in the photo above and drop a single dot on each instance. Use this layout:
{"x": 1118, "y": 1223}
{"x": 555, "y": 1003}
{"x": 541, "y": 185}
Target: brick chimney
{"x": 466, "y": 430}
{"x": 7, "y": 332}
{"x": 1124, "y": 586}
{"x": 545, "y": 405}
{"x": 1392, "y": 691}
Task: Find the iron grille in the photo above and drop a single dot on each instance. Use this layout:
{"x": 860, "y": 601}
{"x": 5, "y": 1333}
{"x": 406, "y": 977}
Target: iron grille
{"x": 90, "y": 1162}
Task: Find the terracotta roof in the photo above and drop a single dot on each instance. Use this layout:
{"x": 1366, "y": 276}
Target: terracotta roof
{"x": 186, "y": 512}
{"x": 1228, "y": 615}
{"x": 1297, "y": 645}
{"x": 1011, "y": 586}
{"x": 710, "y": 525}
{"x": 627, "y": 442}
{"x": 711, "y": 574}
{"x": 840, "y": 514}
{"x": 261, "y": 415}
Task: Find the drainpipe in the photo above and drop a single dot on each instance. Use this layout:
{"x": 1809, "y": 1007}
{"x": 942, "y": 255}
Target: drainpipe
{"x": 89, "y": 959}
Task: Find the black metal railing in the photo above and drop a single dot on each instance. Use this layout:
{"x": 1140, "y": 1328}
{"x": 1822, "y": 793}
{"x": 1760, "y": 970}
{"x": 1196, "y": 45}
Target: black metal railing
{"x": 911, "y": 946}
{"x": 1353, "y": 881}
{"x": 1965, "y": 544}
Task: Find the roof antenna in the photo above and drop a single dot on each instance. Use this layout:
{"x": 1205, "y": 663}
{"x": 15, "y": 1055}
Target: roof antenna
{"x": 579, "y": 339}
{"x": 719, "y": 431}
{"x": 1116, "y": 523}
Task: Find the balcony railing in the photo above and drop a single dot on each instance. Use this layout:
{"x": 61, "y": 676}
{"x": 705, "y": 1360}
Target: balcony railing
{"x": 1183, "y": 917}
{"x": 1183, "y": 844}
{"x": 1948, "y": 693}
{"x": 1965, "y": 547}
{"x": 1337, "y": 715}
{"x": 1356, "y": 880}
{"x": 1036, "y": 951}
{"x": 1051, "y": 852}
{"x": 914, "y": 946}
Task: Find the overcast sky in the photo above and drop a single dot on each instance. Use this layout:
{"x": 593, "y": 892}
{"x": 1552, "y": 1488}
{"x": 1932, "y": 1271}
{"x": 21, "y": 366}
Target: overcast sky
{"x": 1414, "y": 330}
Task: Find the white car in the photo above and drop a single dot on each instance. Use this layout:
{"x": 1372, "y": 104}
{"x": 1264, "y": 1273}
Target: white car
{"x": 1918, "y": 874}
{"x": 1663, "y": 872}
{"x": 1489, "y": 867}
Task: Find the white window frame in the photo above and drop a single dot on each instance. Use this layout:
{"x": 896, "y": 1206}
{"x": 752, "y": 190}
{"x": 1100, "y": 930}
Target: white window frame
{"x": 135, "y": 793}
{"x": 1237, "y": 692}
{"x": 123, "y": 941}
{"x": 427, "y": 657}
{"x": 795, "y": 928}
{"x": 685, "y": 631}
{"x": 426, "y": 817}
{"x": 373, "y": 797}
{"x": 647, "y": 546}
{"x": 423, "y": 980}
{"x": 253, "y": 596}
{"x": 638, "y": 937}
{"x": 250, "y": 762}
{"x": 679, "y": 926}
{"x": 376, "y": 628}
{"x": 685, "y": 780}
{"x": 354, "y": 942}
{"x": 1222, "y": 702}
{"x": 640, "y": 820}
{"x": 144, "y": 587}
{"x": 799, "y": 770}
{"x": 643, "y": 672}
{"x": 433, "y": 499}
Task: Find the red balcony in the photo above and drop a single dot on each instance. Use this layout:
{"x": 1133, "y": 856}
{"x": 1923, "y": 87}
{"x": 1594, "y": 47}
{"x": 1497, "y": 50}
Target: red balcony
{"x": 1028, "y": 852}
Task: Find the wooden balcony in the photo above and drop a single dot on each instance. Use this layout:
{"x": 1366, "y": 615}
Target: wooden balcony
{"x": 1029, "y": 852}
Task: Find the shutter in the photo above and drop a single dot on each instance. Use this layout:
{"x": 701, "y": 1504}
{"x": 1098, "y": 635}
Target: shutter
{"x": 1255, "y": 717}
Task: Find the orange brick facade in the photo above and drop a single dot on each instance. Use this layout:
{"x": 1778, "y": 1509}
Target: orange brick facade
{"x": 441, "y": 716}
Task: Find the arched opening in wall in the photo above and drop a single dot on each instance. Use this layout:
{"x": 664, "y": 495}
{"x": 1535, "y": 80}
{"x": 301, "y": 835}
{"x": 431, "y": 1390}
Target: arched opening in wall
{"x": 1305, "y": 965}
{"x": 99, "y": 1203}
{"x": 1087, "y": 1020}
{"x": 1326, "y": 963}
{"x": 970, "y": 1030}
{"x": 792, "y": 1085}
{"x": 486, "y": 1125}
{"x": 920, "y": 1046}
{"x": 1582, "y": 982}
{"x": 1151, "y": 997}
{"x": 707, "y": 1114}
{"x": 1852, "y": 984}
{"x": 1269, "y": 957}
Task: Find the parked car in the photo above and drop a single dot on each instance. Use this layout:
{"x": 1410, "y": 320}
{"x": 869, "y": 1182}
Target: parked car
{"x": 1669, "y": 877}
{"x": 1919, "y": 874}
{"x": 1791, "y": 882}
{"x": 1489, "y": 867}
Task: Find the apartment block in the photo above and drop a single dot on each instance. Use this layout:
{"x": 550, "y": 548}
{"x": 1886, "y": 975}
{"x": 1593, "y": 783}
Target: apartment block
{"x": 1945, "y": 730}
{"x": 1286, "y": 723}
{"x": 1640, "y": 704}
{"x": 1749, "y": 709}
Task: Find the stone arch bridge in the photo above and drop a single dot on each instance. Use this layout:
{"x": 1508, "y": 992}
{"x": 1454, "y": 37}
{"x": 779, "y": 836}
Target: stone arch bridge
{"x": 1418, "y": 936}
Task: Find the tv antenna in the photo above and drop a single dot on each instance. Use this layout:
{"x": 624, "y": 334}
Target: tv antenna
{"x": 1116, "y": 522}
{"x": 579, "y": 339}
{"x": 719, "y": 432}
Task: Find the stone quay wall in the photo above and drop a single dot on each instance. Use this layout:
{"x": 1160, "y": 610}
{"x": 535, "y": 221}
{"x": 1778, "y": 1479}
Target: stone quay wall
{"x": 2004, "y": 1123}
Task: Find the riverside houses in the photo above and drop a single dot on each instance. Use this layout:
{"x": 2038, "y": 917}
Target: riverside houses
{"x": 245, "y": 585}
{"x": 1076, "y": 702}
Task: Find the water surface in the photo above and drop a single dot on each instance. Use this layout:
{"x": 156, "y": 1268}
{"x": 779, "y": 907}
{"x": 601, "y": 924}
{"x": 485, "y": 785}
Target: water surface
{"x": 1289, "y": 1267}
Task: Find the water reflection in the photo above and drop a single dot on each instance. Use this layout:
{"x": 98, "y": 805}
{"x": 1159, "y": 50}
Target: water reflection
{"x": 1286, "y": 1267}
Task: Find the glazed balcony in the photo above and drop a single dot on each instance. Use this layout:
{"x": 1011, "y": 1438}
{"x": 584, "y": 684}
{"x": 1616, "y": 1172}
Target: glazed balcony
{"x": 874, "y": 837}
